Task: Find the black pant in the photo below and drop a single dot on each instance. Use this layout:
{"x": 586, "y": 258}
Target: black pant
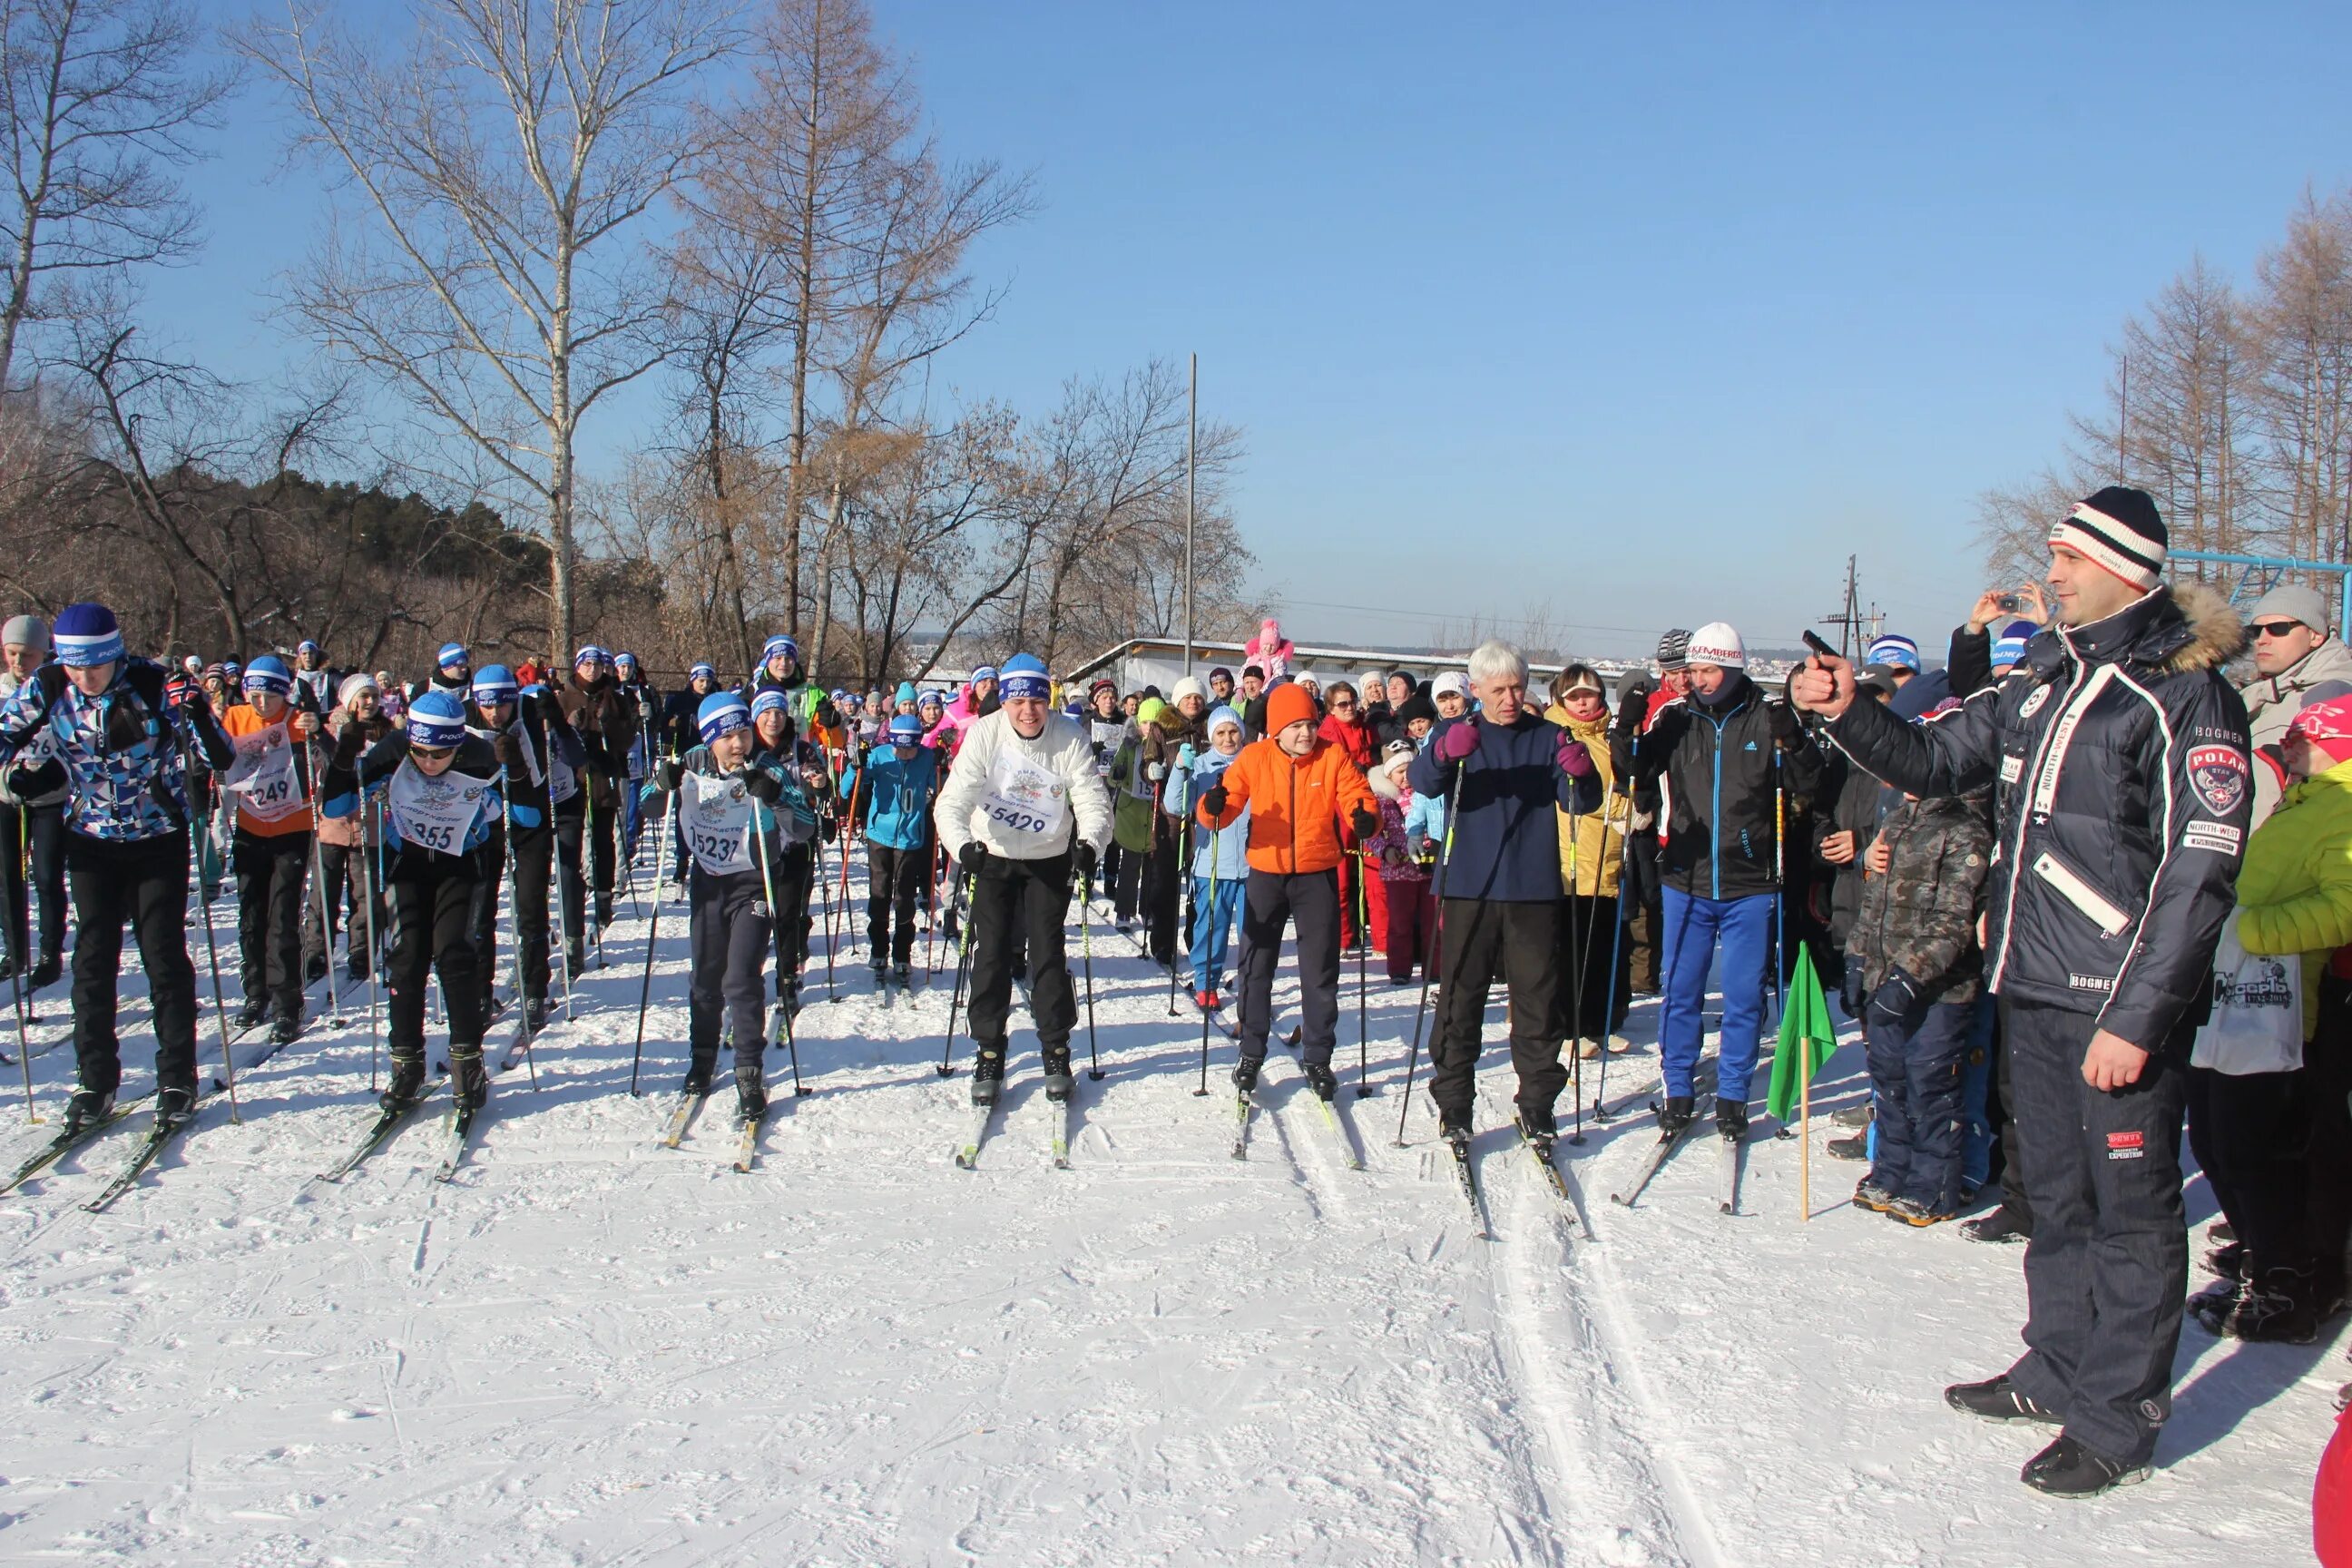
{"x": 339, "y": 902}
{"x": 269, "y": 877}
{"x": 1107, "y": 872}
{"x": 2004, "y": 1118}
{"x": 728, "y": 937}
{"x": 2107, "y": 1269}
{"x": 2327, "y": 1065}
{"x": 1596, "y": 997}
{"x": 1486, "y": 939}
{"x": 1127, "y": 886}
{"x": 145, "y": 882}
{"x": 432, "y": 904}
{"x": 482, "y": 911}
{"x": 1309, "y": 901}
{"x": 793, "y": 871}
{"x": 45, "y": 826}
{"x": 1030, "y": 900}
{"x": 1162, "y": 890}
{"x": 534, "y": 850}
{"x": 1644, "y": 921}
{"x": 572, "y": 880}
{"x": 1914, "y": 1063}
{"x": 603, "y": 826}
{"x": 894, "y": 877}
{"x": 2252, "y": 1134}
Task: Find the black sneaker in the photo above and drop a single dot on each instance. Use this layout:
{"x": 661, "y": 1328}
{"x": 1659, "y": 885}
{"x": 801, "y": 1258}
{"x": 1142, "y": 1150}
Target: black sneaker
{"x": 470, "y": 1081}
{"x": 1322, "y": 1080}
{"x": 987, "y": 1073}
{"x": 2001, "y": 1227}
{"x": 2068, "y": 1469}
{"x": 175, "y": 1105}
{"x": 1246, "y": 1073}
{"x": 1998, "y": 1399}
{"x": 1676, "y": 1113}
{"x": 2279, "y": 1307}
{"x": 1059, "y": 1080}
{"x": 406, "y": 1085}
{"x": 88, "y": 1108}
{"x": 1731, "y": 1119}
{"x": 751, "y": 1095}
{"x": 1857, "y": 1147}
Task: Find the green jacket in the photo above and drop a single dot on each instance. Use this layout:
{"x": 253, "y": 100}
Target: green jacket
{"x": 2294, "y": 889}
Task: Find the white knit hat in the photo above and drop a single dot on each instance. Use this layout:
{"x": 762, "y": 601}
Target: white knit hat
{"x": 1717, "y": 643}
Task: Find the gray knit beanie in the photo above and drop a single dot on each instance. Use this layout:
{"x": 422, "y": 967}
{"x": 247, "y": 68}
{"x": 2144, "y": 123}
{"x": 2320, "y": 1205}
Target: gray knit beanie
{"x": 31, "y": 631}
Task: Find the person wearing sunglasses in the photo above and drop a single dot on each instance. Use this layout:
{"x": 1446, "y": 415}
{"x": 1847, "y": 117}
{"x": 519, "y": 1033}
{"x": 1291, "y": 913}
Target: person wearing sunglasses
{"x": 440, "y": 798}
{"x": 2294, "y": 655}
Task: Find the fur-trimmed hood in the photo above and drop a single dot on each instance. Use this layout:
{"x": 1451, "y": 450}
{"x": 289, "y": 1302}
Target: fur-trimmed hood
{"x": 2174, "y": 630}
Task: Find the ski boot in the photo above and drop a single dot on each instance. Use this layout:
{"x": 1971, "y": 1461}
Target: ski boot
{"x": 286, "y": 1028}
{"x": 1731, "y": 1119}
{"x": 903, "y": 977}
{"x": 1675, "y": 1115}
{"x": 699, "y": 1069}
{"x": 88, "y": 1108}
{"x": 1538, "y": 1123}
{"x": 603, "y": 909}
{"x": 469, "y": 1082}
{"x": 751, "y": 1095}
{"x": 176, "y": 1103}
{"x": 1998, "y": 1399}
{"x": 314, "y": 968}
{"x": 575, "y": 963}
{"x": 1206, "y": 1001}
{"x": 45, "y": 969}
{"x": 1454, "y": 1126}
{"x": 2278, "y": 1306}
{"x": 2001, "y": 1227}
{"x": 1869, "y": 1194}
{"x": 1246, "y": 1073}
{"x": 1322, "y": 1080}
{"x": 987, "y": 1072}
{"x": 254, "y": 1013}
{"x": 1060, "y": 1080}
{"x": 534, "y": 1014}
{"x": 2068, "y": 1469}
{"x": 406, "y": 1085}
{"x": 2228, "y": 1261}
{"x": 881, "y": 975}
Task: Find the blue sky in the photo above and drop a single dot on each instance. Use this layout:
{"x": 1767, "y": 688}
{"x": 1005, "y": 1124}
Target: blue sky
{"x": 1652, "y": 313}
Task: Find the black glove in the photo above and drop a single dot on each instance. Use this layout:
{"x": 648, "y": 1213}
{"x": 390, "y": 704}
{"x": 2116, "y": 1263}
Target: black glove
{"x": 1897, "y": 997}
{"x": 502, "y": 746}
{"x": 667, "y": 772}
{"x": 30, "y": 781}
{"x": 349, "y": 744}
{"x": 1787, "y": 728}
{"x": 762, "y": 786}
{"x": 1214, "y": 797}
{"x": 1364, "y": 823}
{"x": 1631, "y": 710}
{"x": 1083, "y": 858}
{"x": 1853, "y": 992}
{"x": 973, "y": 856}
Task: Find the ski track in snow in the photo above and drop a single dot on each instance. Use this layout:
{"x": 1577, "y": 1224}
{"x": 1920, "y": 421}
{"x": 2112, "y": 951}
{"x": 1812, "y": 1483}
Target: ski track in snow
{"x": 590, "y": 1349}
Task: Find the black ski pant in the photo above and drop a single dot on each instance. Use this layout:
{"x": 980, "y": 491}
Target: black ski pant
{"x": 603, "y": 826}
{"x": 482, "y": 911}
{"x": 36, "y": 834}
{"x": 432, "y": 908}
{"x": 1127, "y": 886}
{"x": 1594, "y": 997}
{"x": 2107, "y": 1269}
{"x": 728, "y": 938}
{"x": 572, "y": 877}
{"x": 1310, "y": 902}
{"x": 1163, "y": 890}
{"x": 2327, "y": 1191}
{"x": 1915, "y": 1079}
{"x": 338, "y": 903}
{"x": 1487, "y": 939}
{"x": 792, "y": 871}
{"x": 894, "y": 880}
{"x": 145, "y": 882}
{"x": 534, "y": 851}
{"x": 2252, "y": 1134}
{"x": 270, "y": 873}
{"x": 2004, "y": 1114}
{"x": 1644, "y": 913}
{"x": 1025, "y": 900}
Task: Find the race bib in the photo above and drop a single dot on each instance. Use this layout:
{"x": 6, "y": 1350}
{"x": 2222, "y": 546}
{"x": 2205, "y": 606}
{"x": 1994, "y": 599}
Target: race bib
{"x": 1028, "y": 803}
{"x": 563, "y": 781}
{"x": 262, "y": 776}
{"x": 716, "y": 817}
{"x": 436, "y": 813}
{"x": 1106, "y": 735}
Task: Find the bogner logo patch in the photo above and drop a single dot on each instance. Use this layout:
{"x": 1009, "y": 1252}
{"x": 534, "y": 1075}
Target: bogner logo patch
{"x": 2032, "y": 704}
{"x": 2220, "y": 775}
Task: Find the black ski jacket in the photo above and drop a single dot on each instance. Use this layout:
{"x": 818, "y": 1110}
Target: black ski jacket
{"x": 2119, "y": 757}
{"x": 1717, "y": 819}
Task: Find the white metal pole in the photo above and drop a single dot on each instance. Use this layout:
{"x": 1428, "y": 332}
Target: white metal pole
{"x": 1191, "y": 483}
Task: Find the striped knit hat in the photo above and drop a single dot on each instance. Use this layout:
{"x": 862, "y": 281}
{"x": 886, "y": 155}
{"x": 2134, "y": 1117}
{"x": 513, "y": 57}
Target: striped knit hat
{"x": 2119, "y": 531}
{"x": 1894, "y": 648}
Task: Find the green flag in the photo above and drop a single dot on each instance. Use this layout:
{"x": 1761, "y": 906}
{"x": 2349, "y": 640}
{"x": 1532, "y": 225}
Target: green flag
{"x": 1807, "y": 1038}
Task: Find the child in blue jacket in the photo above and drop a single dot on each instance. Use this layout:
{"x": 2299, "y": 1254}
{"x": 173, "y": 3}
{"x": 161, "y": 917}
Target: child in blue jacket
{"x": 1220, "y": 859}
{"x": 894, "y": 788}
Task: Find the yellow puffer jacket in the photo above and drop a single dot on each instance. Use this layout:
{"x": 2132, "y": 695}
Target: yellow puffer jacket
{"x": 2294, "y": 889}
{"x": 1591, "y": 855}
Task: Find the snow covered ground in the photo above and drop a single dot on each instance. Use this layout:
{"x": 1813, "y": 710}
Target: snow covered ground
{"x": 591, "y": 1349}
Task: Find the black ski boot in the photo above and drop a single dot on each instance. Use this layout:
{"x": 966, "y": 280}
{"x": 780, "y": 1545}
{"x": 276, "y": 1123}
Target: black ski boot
{"x": 2068, "y": 1469}
{"x": 45, "y": 969}
{"x": 1246, "y": 1073}
{"x": 1060, "y": 1080}
{"x": 751, "y": 1095}
{"x": 314, "y": 968}
{"x": 988, "y": 1073}
{"x": 534, "y": 1014}
{"x": 254, "y": 1013}
{"x": 1322, "y": 1080}
{"x": 469, "y": 1082}
{"x": 1454, "y": 1126}
{"x": 176, "y": 1103}
{"x": 2279, "y": 1306}
{"x": 286, "y": 1028}
{"x": 698, "y": 1068}
{"x": 2228, "y": 1261}
{"x": 88, "y": 1108}
{"x": 1731, "y": 1119}
{"x": 881, "y": 975}
{"x": 1676, "y": 1113}
{"x": 2001, "y": 1227}
{"x": 1998, "y": 1399}
{"x": 406, "y": 1085}
{"x": 904, "y": 975}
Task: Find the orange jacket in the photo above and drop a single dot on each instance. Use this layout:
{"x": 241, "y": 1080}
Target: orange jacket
{"x": 1297, "y": 804}
{"x": 243, "y": 721}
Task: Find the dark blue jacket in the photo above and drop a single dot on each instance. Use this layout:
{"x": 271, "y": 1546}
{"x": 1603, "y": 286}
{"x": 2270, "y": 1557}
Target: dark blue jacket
{"x": 1503, "y": 837}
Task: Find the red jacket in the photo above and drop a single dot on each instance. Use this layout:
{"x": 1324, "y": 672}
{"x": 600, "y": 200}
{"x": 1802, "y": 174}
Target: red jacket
{"x": 1356, "y": 740}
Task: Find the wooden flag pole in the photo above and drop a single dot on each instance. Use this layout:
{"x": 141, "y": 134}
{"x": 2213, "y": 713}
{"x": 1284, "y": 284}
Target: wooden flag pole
{"x": 1804, "y": 1128}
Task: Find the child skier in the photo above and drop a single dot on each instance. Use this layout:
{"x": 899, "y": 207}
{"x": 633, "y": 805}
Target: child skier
{"x": 893, "y": 790}
{"x": 270, "y": 853}
{"x": 1221, "y": 860}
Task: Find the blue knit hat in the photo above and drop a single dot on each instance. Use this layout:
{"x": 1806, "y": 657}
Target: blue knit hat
{"x": 931, "y": 698}
{"x": 780, "y": 644}
{"x": 494, "y": 683}
{"x": 702, "y": 672}
{"x": 624, "y": 656}
{"x": 591, "y": 653}
{"x": 1892, "y": 649}
{"x": 721, "y": 713}
{"x": 268, "y": 673}
{"x": 2010, "y": 647}
{"x": 906, "y": 729}
{"x": 436, "y": 720}
{"x": 307, "y": 645}
{"x": 86, "y": 635}
{"x": 770, "y": 700}
{"x": 452, "y": 653}
{"x": 1023, "y": 675}
{"x": 985, "y": 672}
{"x": 906, "y": 692}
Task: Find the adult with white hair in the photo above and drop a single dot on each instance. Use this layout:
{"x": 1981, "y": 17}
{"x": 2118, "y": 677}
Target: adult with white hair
{"x": 1726, "y": 759}
{"x": 1516, "y": 771}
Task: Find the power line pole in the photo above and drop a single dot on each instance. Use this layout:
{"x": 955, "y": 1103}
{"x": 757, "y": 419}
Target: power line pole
{"x": 1192, "y": 486}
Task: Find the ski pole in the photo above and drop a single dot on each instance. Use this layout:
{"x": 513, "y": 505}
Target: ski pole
{"x": 1204, "y": 949}
{"x": 1182, "y": 864}
{"x": 563, "y": 882}
{"x": 220, "y": 1007}
{"x": 1436, "y": 943}
{"x": 776, "y": 935}
{"x": 1086, "y": 940}
{"x": 653, "y": 935}
{"x": 1363, "y": 959}
{"x": 335, "y": 1018}
{"x": 1617, "y": 936}
{"x": 514, "y": 902}
{"x": 367, "y": 909}
{"x": 963, "y": 963}
{"x": 831, "y": 929}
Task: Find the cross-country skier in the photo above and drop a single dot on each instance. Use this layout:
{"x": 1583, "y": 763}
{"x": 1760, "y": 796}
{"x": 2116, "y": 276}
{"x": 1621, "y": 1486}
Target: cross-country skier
{"x": 1301, "y": 792}
{"x": 605, "y": 719}
{"x": 346, "y": 878}
{"x": 728, "y": 792}
{"x": 440, "y": 799}
{"x": 1025, "y": 816}
{"x": 103, "y": 717}
{"x": 894, "y": 789}
{"x": 270, "y": 782}
{"x": 33, "y": 790}
{"x": 312, "y": 675}
{"x": 453, "y": 671}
